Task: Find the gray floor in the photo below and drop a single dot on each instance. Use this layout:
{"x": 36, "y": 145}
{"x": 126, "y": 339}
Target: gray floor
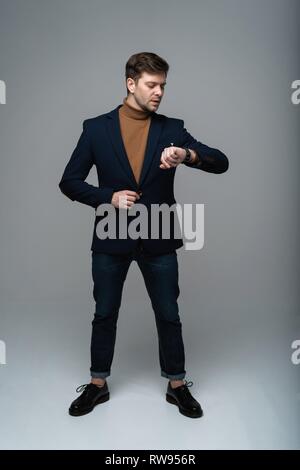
{"x": 249, "y": 393}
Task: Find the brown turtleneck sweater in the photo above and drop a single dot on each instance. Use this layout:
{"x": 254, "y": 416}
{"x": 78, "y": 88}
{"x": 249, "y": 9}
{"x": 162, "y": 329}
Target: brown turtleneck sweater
{"x": 134, "y": 124}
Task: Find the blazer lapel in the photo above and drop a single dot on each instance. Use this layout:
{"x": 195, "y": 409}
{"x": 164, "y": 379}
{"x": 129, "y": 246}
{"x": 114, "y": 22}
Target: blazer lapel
{"x": 114, "y": 132}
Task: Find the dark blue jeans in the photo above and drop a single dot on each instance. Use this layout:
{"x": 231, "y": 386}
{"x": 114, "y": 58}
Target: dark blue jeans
{"x": 160, "y": 273}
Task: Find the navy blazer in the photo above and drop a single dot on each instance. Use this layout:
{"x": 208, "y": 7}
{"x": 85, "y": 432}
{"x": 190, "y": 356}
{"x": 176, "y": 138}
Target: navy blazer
{"x": 101, "y": 144}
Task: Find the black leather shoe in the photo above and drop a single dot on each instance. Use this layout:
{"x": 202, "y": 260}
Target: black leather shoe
{"x": 92, "y": 395}
{"x": 182, "y": 397}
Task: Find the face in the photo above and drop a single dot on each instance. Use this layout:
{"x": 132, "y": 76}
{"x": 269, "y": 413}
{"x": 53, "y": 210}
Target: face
{"x": 148, "y": 91}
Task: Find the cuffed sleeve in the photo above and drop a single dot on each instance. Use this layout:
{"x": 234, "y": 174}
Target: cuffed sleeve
{"x": 210, "y": 159}
{"x": 72, "y": 183}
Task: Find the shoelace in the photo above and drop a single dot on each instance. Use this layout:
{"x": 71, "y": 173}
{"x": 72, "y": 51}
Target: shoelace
{"x": 183, "y": 389}
{"x": 81, "y": 388}
{"x": 188, "y": 384}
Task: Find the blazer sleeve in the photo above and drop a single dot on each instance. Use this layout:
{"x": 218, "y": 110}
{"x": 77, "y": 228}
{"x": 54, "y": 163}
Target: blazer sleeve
{"x": 72, "y": 183}
{"x": 211, "y": 159}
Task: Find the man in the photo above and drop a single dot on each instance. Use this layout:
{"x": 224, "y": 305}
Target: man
{"x": 136, "y": 152}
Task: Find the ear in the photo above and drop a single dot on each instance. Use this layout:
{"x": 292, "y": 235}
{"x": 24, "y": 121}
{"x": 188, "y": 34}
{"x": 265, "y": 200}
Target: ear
{"x": 130, "y": 84}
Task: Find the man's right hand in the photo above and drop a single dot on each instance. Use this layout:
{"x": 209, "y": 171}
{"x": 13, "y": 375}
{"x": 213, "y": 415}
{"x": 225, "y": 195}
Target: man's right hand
{"x": 124, "y": 199}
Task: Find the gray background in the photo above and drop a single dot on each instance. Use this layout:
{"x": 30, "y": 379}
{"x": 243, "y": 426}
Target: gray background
{"x": 232, "y": 63}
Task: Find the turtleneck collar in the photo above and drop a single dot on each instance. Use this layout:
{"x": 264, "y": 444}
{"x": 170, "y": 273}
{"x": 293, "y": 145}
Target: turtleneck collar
{"x": 133, "y": 113}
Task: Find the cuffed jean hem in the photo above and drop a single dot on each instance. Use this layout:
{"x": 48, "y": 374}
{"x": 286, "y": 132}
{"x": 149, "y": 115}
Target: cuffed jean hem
{"x": 99, "y": 375}
{"x": 173, "y": 377}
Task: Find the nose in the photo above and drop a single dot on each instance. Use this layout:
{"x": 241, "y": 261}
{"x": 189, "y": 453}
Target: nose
{"x": 159, "y": 92}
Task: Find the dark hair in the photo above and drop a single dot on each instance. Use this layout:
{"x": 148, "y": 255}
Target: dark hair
{"x": 144, "y": 62}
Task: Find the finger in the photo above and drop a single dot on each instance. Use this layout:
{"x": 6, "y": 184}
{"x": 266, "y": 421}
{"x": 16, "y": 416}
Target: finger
{"x": 164, "y": 162}
{"x": 170, "y": 159}
{"x": 170, "y": 162}
{"x": 130, "y": 198}
{"x": 123, "y": 202}
{"x": 131, "y": 193}
{"x": 126, "y": 204}
{"x": 170, "y": 155}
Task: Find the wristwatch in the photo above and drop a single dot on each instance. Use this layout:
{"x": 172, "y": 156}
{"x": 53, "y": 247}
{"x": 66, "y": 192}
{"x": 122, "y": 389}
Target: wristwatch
{"x": 188, "y": 156}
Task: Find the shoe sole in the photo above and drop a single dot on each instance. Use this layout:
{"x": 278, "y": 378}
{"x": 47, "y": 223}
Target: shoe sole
{"x": 102, "y": 399}
{"x": 173, "y": 401}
